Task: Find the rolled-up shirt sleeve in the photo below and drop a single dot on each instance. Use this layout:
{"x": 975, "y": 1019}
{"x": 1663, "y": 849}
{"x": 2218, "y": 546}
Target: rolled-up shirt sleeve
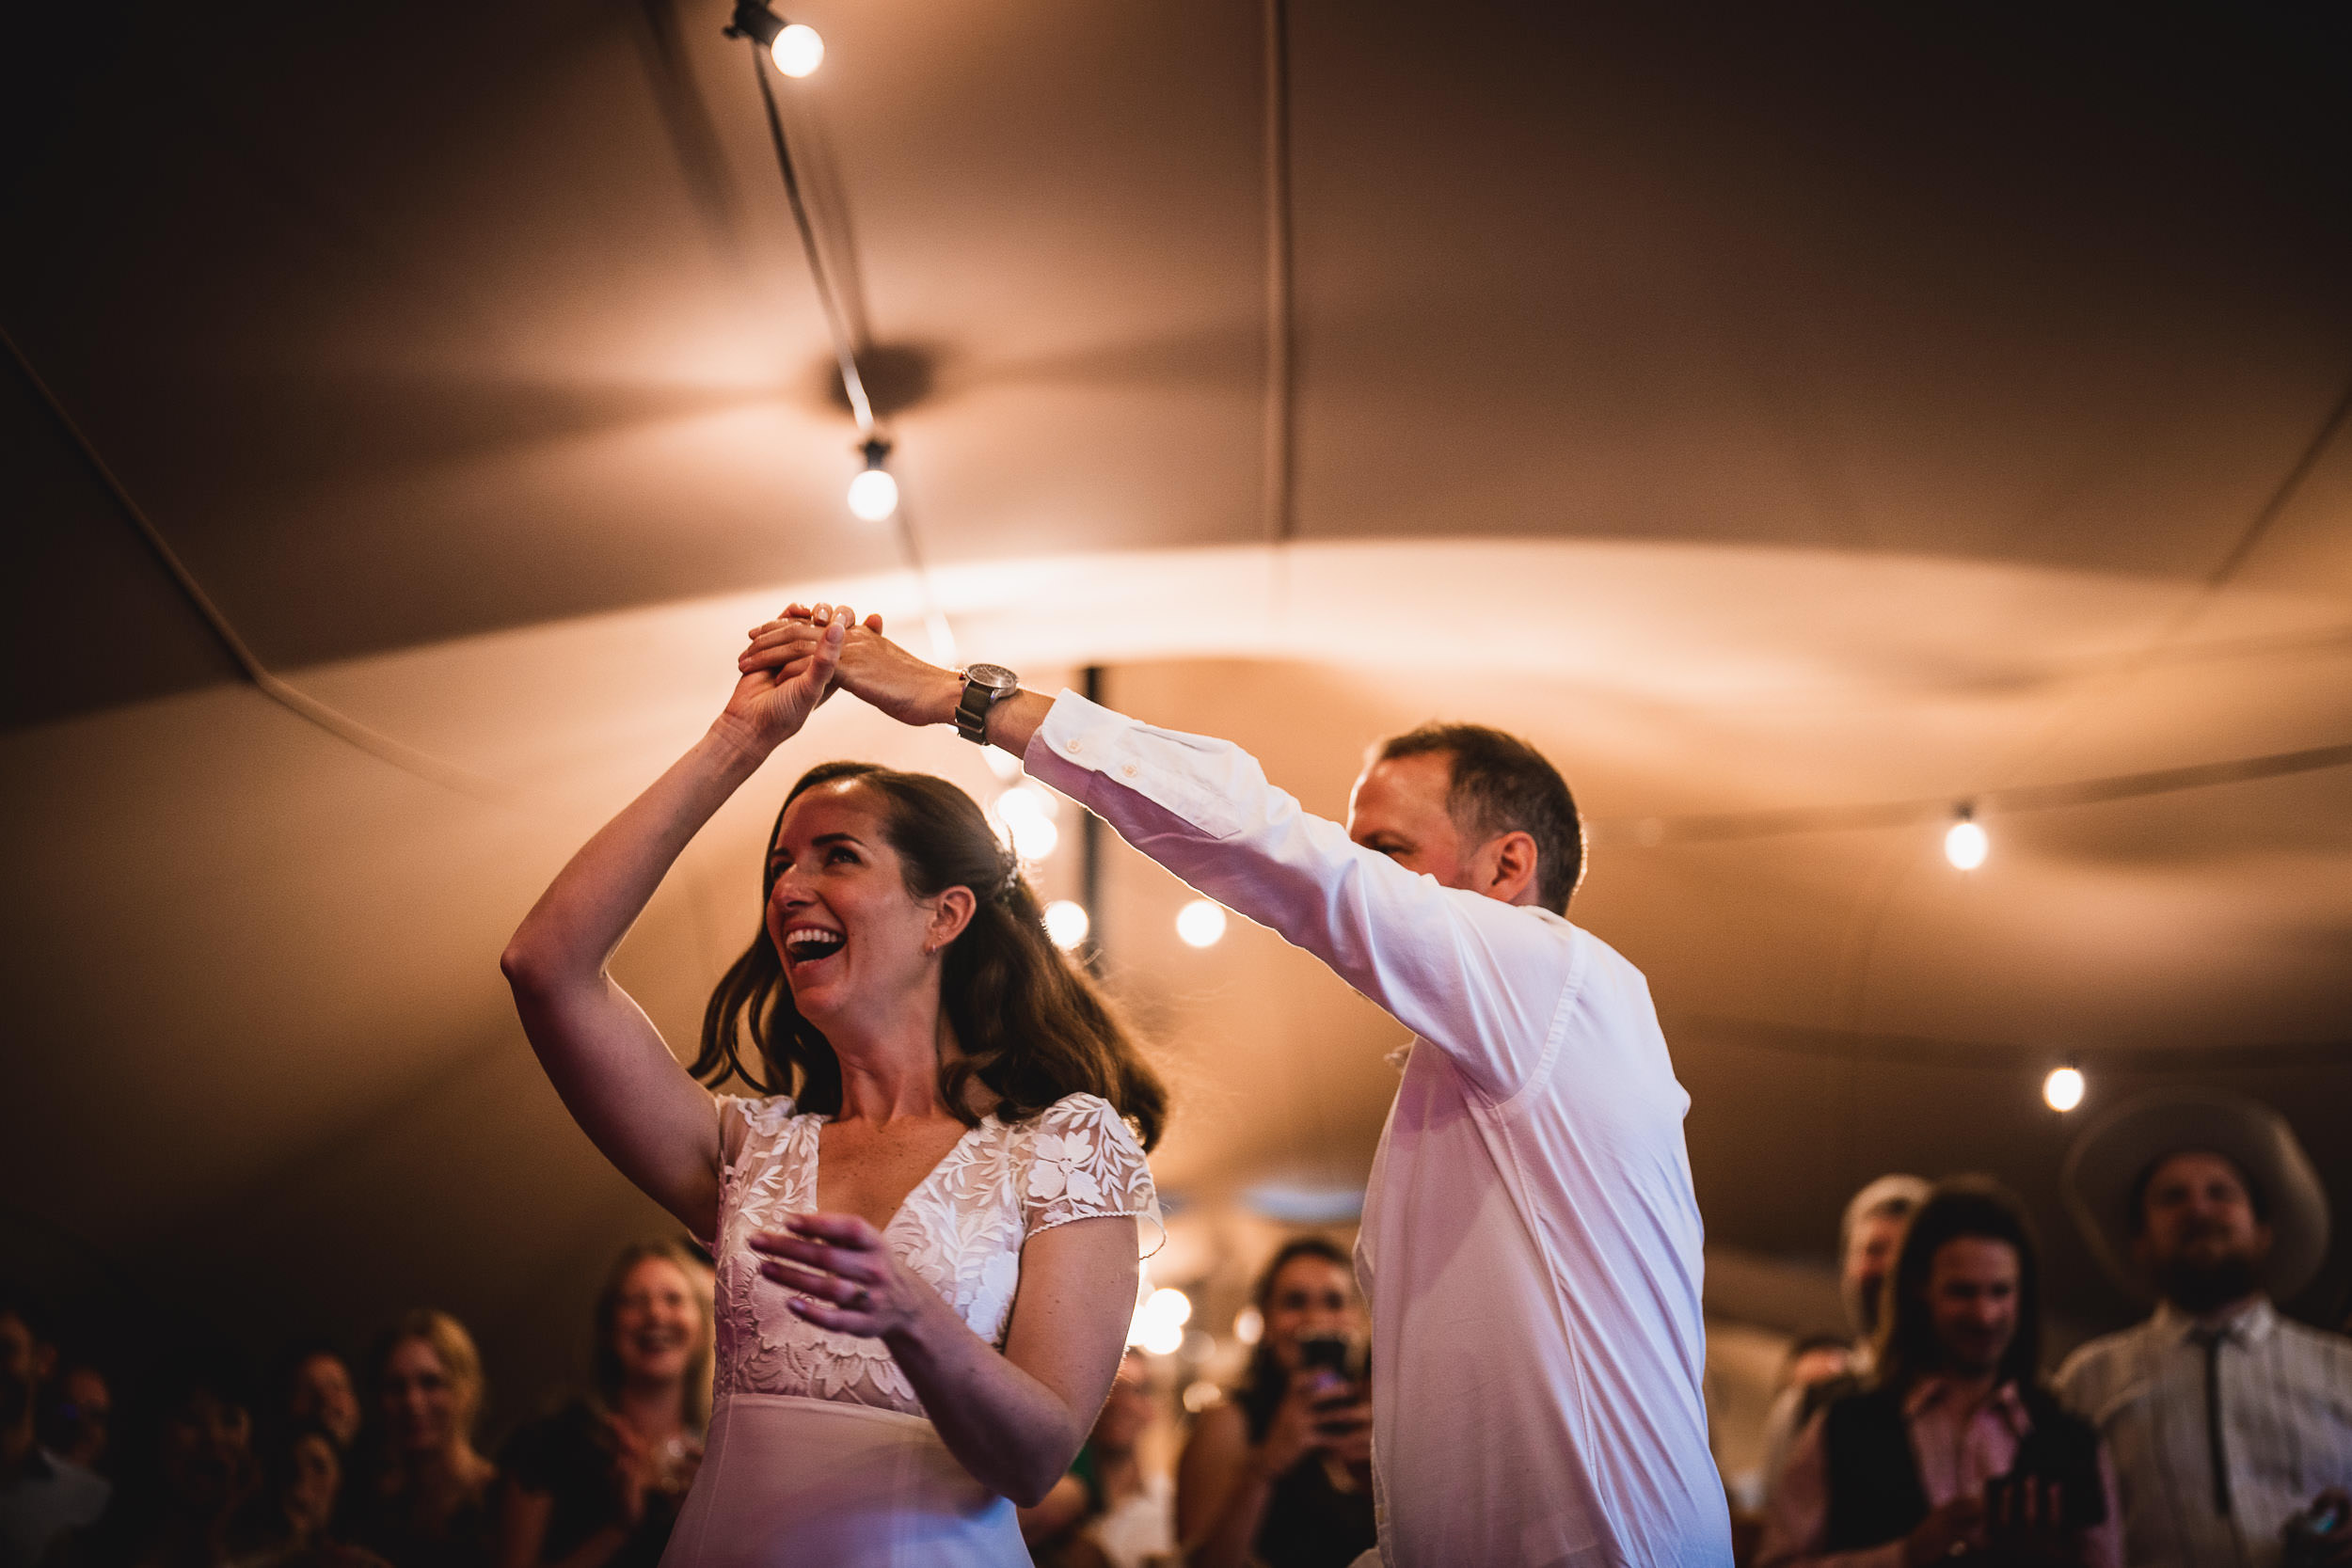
{"x": 1482, "y": 980}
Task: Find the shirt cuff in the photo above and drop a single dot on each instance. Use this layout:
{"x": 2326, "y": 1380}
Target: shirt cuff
{"x": 1074, "y": 740}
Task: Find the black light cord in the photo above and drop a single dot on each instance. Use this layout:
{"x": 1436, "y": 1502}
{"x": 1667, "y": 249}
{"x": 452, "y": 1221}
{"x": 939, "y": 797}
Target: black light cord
{"x": 836, "y": 323}
{"x": 248, "y": 664}
{"x": 1651, "y": 831}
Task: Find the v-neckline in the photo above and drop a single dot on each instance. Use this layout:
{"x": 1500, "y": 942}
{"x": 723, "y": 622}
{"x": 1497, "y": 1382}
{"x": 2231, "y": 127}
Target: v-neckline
{"x": 817, "y": 1155}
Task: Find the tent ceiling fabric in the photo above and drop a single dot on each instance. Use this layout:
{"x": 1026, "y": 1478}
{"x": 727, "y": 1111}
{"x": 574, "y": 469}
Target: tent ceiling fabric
{"x": 1757, "y": 410}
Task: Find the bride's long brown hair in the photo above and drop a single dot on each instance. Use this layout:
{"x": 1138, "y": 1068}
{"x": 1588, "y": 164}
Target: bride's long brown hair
{"x": 1031, "y": 1025}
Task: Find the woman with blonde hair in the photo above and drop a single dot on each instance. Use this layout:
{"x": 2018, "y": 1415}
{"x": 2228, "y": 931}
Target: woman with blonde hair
{"x": 926, "y": 1227}
{"x": 599, "y": 1482}
{"x": 427, "y": 1502}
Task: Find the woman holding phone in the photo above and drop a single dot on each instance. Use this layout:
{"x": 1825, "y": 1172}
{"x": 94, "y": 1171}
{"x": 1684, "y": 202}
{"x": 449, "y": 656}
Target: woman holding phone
{"x": 926, "y": 1228}
{"x": 1281, "y": 1473}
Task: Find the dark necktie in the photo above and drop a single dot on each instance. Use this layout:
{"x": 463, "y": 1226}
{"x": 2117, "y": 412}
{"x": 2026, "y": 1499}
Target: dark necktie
{"x": 2213, "y": 1339}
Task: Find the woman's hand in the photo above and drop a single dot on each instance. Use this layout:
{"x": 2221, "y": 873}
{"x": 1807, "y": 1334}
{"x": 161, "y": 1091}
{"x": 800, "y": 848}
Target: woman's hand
{"x": 1308, "y": 1420}
{"x": 845, "y": 1278}
{"x": 868, "y": 664}
{"x": 774, "y": 698}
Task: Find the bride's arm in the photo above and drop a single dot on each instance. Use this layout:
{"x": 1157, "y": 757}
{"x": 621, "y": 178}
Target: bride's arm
{"x": 603, "y": 1055}
{"x": 1015, "y": 1420}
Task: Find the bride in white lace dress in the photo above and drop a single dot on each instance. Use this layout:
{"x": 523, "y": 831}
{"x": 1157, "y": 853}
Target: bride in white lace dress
{"x": 928, "y": 1248}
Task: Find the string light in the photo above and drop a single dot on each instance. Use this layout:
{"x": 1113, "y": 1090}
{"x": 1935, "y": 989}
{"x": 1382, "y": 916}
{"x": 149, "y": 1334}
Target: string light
{"x": 1026, "y": 817}
{"x": 1159, "y": 1322}
{"x": 2063, "y": 1089}
{"x": 1965, "y": 844}
{"x": 796, "y": 48}
{"x": 1200, "y": 922}
{"x": 1067, "y": 924}
{"x": 873, "y": 494}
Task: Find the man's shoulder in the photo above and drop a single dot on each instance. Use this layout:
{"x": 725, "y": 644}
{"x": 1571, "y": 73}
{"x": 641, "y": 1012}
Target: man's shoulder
{"x": 2333, "y": 1350}
{"x": 2097, "y": 1364}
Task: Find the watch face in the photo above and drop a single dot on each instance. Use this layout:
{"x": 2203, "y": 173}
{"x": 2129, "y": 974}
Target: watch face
{"x": 995, "y": 677}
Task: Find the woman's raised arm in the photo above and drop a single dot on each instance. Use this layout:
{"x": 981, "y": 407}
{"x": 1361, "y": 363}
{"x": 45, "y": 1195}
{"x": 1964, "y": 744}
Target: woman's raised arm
{"x": 603, "y": 1055}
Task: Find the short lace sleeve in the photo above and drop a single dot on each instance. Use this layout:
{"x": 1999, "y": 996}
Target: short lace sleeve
{"x": 1084, "y": 1163}
{"x": 748, "y": 1131}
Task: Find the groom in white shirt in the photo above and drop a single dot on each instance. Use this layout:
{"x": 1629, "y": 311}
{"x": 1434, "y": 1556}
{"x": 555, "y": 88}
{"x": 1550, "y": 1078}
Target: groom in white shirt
{"x": 1529, "y": 1243}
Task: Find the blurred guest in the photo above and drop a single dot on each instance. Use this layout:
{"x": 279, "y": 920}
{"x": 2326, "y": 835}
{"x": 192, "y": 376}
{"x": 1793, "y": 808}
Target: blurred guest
{"x": 1956, "y": 1447}
{"x": 1281, "y": 1474}
{"x": 427, "y": 1500}
{"x": 1815, "y": 1359}
{"x": 1110, "y": 1511}
{"x": 2232, "y": 1426}
{"x": 80, "y": 1411}
{"x": 184, "y": 1468}
{"x": 1867, "y": 1235}
{"x": 600, "y": 1481}
{"x": 290, "y": 1524}
{"x": 43, "y": 1493}
{"x": 319, "y": 1389}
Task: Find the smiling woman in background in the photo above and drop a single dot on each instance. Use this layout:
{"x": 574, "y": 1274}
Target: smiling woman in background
{"x": 1281, "y": 1474}
{"x": 927, "y": 1250}
{"x": 427, "y": 1502}
{"x": 599, "y": 1483}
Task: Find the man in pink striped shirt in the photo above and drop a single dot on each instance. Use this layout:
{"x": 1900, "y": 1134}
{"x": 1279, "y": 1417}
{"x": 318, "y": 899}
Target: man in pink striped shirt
{"x": 1957, "y": 1448}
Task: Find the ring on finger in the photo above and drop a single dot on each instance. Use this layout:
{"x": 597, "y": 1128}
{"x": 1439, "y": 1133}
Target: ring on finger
{"x": 861, "y": 1302}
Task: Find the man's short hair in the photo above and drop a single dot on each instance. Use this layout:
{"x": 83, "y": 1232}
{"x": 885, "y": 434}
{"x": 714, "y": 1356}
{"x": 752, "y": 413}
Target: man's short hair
{"x": 1897, "y": 1194}
{"x": 2147, "y": 1178}
{"x": 1500, "y": 784}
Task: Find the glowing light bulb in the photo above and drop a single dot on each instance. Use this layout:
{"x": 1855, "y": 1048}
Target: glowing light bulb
{"x": 2063, "y": 1088}
{"x": 874, "y": 494}
{"x": 1159, "y": 1322}
{"x": 1067, "y": 924}
{"x": 797, "y": 51}
{"x": 1200, "y": 922}
{"x": 1965, "y": 845}
{"x": 1026, "y": 816}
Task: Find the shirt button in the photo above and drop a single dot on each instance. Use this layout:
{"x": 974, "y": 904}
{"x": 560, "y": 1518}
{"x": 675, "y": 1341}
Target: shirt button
{"x": 1129, "y": 770}
{"x": 1074, "y": 747}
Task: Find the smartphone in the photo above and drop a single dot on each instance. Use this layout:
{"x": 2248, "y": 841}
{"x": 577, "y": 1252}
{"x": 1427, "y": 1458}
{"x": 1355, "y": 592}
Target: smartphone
{"x": 1327, "y": 1351}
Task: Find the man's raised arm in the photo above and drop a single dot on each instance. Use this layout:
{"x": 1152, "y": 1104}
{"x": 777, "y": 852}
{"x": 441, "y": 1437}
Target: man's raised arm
{"x": 1481, "y": 979}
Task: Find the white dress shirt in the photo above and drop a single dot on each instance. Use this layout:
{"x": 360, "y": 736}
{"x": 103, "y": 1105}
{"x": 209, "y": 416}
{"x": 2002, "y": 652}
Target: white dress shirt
{"x": 2286, "y": 1431}
{"x": 1529, "y": 1245}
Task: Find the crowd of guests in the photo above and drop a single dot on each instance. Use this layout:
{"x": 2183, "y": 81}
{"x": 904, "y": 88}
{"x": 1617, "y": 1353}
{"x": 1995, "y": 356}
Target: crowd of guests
{"x": 325, "y": 1465}
{"x": 2217, "y": 1431}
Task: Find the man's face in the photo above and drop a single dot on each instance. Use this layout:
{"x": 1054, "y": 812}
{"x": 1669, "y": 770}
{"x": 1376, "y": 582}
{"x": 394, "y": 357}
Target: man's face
{"x": 2198, "y": 1235}
{"x": 1398, "y": 809}
{"x": 1972, "y": 1299}
{"x": 1870, "y": 1254}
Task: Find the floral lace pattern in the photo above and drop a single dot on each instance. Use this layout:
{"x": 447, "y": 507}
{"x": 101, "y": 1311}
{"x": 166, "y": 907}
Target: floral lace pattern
{"x": 961, "y": 1229}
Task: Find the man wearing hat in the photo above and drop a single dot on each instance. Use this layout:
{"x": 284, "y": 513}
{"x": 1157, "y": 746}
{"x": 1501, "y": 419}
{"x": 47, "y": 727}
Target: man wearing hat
{"x": 2229, "y": 1426}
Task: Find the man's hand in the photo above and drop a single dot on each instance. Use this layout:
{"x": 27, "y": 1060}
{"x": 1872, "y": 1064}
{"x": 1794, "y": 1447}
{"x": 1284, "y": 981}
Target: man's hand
{"x": 871, "y": 666}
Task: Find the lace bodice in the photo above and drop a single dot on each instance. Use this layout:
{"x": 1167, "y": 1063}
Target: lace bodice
{"x": 961, "y": 1229}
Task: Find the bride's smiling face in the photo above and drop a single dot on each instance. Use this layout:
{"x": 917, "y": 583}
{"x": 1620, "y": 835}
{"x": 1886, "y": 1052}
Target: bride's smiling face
{"x": 848, "y": 931}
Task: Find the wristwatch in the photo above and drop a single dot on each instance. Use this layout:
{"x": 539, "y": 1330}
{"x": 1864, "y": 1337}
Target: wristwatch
{"x": 984, "y": 687}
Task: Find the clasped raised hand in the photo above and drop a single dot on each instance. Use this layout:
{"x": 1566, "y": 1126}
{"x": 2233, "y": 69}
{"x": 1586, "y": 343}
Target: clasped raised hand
{"x": 862, "y": 661}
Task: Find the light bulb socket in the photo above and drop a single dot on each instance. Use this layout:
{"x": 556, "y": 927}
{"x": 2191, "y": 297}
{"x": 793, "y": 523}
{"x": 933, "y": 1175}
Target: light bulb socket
{"x": 753, "y": 20}
{"x": 1964, "y": 812}
{"x": 875, "y": 452}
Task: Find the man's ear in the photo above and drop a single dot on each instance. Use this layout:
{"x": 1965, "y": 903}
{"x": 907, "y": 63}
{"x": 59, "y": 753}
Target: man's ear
{"x": 950, "y": 914}
{"x": 1512, "y": 874}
